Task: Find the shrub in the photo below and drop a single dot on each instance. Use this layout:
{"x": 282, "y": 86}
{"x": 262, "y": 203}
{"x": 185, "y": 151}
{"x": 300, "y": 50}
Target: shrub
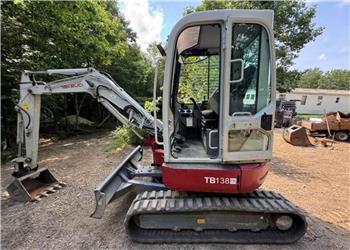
{"x": 123, "y": 136}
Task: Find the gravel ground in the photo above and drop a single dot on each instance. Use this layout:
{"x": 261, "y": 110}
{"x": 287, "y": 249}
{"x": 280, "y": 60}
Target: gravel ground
{"x": 314, "y": 178}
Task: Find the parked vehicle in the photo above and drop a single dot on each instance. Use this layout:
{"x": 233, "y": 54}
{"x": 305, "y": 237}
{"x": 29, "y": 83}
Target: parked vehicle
{"x": 335, "y": 124}
{"x": 285, "y": 113}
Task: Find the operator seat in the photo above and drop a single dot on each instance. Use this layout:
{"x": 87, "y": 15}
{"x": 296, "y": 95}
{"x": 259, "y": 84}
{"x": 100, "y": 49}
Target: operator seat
{"x": 209, "y": 124}
{"x": 210, "y": 116}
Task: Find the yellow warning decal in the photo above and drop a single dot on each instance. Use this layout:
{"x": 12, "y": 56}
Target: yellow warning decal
{"x": 25, "y": 106}
{"x": 201, "y": 221}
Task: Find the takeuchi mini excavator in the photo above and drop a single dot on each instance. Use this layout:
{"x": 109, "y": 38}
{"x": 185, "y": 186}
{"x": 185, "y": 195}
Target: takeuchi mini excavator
{"x": 211, "y": 149}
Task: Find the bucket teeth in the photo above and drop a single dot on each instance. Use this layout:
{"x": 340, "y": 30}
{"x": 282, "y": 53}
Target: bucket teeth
{"x": 37, "y": 198}
{"x": 44, "y": 194}
{"x": 57, "y": 186}
{"x": 51, "y": 189}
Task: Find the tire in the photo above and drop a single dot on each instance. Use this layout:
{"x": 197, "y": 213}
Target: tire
{"x": 342, "y": 136}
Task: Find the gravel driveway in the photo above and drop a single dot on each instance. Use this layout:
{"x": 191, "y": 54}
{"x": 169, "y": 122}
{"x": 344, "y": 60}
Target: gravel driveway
{"x": 316, "y": 179}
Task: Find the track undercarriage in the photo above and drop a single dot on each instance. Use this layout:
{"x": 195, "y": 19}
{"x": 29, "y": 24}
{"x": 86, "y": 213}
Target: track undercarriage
{"x": 158, "y": 214}
{"x": 170, "y": 216}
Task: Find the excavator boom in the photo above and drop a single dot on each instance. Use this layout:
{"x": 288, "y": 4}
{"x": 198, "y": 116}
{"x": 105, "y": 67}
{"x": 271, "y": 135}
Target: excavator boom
{"x": 32, "y": 184}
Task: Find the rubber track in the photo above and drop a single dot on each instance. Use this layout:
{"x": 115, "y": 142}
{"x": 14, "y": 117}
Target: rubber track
{"x": 162, "y": 202}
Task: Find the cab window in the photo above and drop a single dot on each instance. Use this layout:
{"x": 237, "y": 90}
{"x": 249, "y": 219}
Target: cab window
{"x": 250, "y": 44}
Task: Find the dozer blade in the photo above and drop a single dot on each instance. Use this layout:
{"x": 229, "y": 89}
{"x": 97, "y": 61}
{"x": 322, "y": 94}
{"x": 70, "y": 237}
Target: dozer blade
{"x": 34, "y": 186}
{"x": 121, "y": 181}
{"x": 297, "y": 136}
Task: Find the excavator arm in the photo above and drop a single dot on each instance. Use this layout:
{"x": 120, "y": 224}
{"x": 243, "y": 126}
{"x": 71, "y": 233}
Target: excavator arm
{"x": 87, "y": 80}
{"x": 84, "y": 80}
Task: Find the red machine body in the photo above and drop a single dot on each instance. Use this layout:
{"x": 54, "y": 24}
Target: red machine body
{"x": 244, "y": 178}
{"x": 216, "y": 178}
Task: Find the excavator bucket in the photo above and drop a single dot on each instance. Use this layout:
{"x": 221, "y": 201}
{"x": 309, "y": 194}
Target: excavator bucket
{"x": 34, "y": 186}
{"x": 297, "y": 136}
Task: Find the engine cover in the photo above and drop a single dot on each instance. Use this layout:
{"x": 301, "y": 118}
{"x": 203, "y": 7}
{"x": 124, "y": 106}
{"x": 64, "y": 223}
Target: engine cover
{"x": 215, "y": 178}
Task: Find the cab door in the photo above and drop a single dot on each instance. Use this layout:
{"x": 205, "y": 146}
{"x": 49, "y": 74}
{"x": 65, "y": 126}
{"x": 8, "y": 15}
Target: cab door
{"x": 249, "y": 96}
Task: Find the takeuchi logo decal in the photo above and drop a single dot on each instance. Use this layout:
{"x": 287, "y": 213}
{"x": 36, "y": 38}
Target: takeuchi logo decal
{"x": 72, "y": 85}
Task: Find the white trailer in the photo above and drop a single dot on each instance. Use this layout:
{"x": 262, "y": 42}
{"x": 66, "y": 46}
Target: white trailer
{"x": 315, "y": 101}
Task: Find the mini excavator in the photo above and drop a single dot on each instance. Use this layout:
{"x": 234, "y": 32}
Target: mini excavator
{"x": 211, "y": 149}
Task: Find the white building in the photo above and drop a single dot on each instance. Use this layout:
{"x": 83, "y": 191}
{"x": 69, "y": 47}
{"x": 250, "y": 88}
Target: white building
{"x": 249, "y": 98}
{"x": 315, "y": 101}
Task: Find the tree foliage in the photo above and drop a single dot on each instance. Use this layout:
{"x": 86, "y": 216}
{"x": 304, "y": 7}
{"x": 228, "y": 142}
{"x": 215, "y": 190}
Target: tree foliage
{"x": 199, "y": 78}
{"x": 37, "y": 35}
{"x": 293, "y": 29}
{"x": 334, "y": 79}
{"x": 310, "y": 78}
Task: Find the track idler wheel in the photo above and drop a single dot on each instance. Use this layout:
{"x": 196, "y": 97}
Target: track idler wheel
{"x": 284, "y": 222}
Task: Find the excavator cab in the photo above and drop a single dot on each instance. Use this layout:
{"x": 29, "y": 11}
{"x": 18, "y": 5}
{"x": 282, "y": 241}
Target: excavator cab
{"x": 221, "y": 99}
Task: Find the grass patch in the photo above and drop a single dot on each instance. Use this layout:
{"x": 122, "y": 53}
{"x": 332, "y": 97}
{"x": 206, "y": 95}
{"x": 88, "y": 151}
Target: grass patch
{"x": 123, "y": 136}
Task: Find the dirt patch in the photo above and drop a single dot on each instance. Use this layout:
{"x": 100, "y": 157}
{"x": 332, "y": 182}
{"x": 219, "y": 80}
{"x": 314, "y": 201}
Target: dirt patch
{"x": 316, "y": 179}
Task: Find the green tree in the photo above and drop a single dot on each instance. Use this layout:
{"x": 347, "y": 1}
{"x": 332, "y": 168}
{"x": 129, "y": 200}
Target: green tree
{"x": 288, "y": 79}
{"x": 199, "y": 78}
{"x": 38, "y": 35}
{"x": 310, "y": 78}
{"x": 335, "y": 79}
{"x": 60, "y": 34}
{"x": 293, "y": 29}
